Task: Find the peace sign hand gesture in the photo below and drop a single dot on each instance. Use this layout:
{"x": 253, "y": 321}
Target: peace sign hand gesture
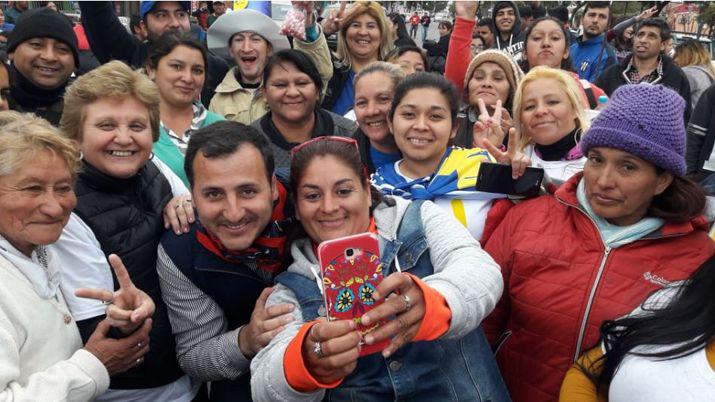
{"x": 334, "y": 21}
{"x": 517, "y": 159}
{"x": 492, "y": 127}
{"x": 128, "y": 307}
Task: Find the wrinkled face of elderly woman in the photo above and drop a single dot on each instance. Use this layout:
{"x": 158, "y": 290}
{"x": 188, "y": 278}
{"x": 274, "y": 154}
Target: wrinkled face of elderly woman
{"x": 116, "y": 136}
{"x": 36, "y": 200}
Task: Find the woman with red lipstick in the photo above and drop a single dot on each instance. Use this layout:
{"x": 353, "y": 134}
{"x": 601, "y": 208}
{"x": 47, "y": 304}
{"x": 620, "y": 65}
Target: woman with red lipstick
{"x": 177, "y": 64}
{"x": 630, "y": 224}
{"x": 546, "y": 43}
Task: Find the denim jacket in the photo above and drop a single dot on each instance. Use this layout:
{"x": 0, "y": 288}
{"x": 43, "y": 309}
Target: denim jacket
{"x": 447, "y": 369}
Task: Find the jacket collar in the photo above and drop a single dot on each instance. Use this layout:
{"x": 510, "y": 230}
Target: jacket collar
{"x": 566, "y": 194}
{"x": 230, "y": 83}
{"x": 101, "y": 181}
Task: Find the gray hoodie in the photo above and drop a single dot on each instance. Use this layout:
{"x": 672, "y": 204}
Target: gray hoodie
{"x": 464, "y": 274}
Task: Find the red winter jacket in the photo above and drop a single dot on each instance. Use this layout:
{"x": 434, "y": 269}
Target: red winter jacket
{"x": 561, "y": 283}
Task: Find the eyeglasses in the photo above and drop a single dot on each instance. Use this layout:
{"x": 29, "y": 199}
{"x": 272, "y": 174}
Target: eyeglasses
{"x": 346, "y": 140}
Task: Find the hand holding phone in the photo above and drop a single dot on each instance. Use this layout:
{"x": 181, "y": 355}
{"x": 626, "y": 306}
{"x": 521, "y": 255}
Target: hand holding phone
{"x": 351, "y": 272}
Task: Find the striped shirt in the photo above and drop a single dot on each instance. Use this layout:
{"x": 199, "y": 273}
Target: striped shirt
{"x": 204, "y": 348}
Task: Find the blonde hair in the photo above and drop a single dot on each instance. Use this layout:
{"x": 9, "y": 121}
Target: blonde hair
{"x": 24, "y": 136}
{"x": 112, "y": 80}
{"x": 693, "y": 53}
{"x": 566, "y": 83}
{"x": 373, "y": 9}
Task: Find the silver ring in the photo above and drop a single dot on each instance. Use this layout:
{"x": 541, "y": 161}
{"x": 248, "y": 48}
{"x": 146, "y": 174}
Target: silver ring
{"x": 408, "y": 302}
{"x": 177, "y": 206}
{"x": 139, "y": 361}
{"x": 139, "y": 344}
{"x": 108, "y": 302}
{"x": 318, "y": 350}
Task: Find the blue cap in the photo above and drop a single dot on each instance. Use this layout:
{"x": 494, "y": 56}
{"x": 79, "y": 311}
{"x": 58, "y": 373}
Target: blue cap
{"x": 146, "y": 6}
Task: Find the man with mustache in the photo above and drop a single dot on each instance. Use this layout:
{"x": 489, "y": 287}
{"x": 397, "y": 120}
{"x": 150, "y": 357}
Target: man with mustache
{"x": 111, "y": 41}
{"x": 591, "y": 54}
{"x": 44, "y": 54}
{"x": 216, "y": 278}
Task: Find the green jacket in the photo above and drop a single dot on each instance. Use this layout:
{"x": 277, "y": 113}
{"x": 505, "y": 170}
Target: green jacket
{"x": 168, "y": 153}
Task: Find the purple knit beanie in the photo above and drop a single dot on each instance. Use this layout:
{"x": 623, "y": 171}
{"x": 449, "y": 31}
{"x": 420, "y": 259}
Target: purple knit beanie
{"x": 644, "y": 120}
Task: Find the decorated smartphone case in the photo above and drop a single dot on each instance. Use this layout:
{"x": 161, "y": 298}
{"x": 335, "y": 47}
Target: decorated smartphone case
{"x": 351, "y": 271}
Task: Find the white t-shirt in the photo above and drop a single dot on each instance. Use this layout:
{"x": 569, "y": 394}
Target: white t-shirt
{"x": 642, "y": 379}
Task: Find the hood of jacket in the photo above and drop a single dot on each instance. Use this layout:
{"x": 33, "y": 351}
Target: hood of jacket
{"x": 388, "y": 216}
{"x": 516, "y": 29}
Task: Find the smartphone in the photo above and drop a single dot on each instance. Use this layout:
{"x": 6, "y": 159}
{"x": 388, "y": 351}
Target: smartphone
{"x": 496, "y": 178}
{"x": 351, "y": 271}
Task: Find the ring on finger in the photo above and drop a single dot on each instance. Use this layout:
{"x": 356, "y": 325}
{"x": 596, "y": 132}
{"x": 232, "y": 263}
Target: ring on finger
{"x": 139, "y": 345}
{"x": 408, "y": 302}
{"x": 318, "y": 350}
{"x": 108, "y": 302}
{"x": 177, "y": 206}
{"x": 139, "y": 361}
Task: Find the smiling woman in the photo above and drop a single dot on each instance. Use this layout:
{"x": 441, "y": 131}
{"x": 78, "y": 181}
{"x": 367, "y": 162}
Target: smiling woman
{"x": 113, "y": 114}
{"x": 292, "y": 87}
{"x": 177, "y": 64}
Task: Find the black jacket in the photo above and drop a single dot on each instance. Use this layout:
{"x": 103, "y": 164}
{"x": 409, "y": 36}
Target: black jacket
{"x": 673, "y": 77}
{"x": 701, "y": 132}
{"x": 126, "y": 217}
{"x": 111, "y": 41}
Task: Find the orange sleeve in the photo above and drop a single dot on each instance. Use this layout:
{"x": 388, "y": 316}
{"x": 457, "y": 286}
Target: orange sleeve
{"x": 437, "y": 313}
{"x": 577, "y": 387}
{"x": 297, "y": 375}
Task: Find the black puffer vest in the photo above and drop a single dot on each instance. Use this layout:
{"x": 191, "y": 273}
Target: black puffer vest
{"x": 125, "y": 216}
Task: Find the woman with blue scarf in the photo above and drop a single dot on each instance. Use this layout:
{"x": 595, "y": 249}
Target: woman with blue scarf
{"x": 423, "y": 122}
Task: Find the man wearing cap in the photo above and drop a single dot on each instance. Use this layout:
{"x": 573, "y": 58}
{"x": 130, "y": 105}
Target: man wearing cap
{"x": 43, "y": 51}
{"x": 238, "y": 97}
{"x": 111, "y": 41}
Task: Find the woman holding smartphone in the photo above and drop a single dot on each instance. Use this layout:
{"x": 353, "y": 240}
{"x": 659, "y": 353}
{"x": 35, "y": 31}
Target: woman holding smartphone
{"x": 438, "y": 285}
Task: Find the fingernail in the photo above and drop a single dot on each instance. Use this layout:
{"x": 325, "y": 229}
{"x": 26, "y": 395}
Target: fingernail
{"x": 186, "y": 229}
{"x": 365, "y": 320}
{"x": 178, "y": 232}
{"x": 352, "y": 324}
{"x": 386, "y": 353}
{"x": 369, "y": 339}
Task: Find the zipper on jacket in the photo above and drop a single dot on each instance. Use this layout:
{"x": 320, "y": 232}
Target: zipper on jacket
{"x": 591, "y": 296}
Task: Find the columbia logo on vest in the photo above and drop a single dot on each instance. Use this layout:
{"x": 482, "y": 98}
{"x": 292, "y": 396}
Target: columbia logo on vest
{"x": 655, "y": 279}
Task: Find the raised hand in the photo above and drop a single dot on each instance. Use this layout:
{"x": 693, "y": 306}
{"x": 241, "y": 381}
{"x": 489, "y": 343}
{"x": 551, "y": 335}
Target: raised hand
{"x": 334, "y": 21}
{"x": 337, "y": 352}
{"x": 648, "y": 13}
{"x": 119, "y": 355}
{"x": 307, "y": 6}
{"x": 179, "y": 213}
{"x": 490, "y": 127}
{"x": 128, "y": 307}
{"x": 517, "y": 159}
{"x": 265, "y": 324}
{"x": 466, "y": 9}
{"x": 405, "y": 301}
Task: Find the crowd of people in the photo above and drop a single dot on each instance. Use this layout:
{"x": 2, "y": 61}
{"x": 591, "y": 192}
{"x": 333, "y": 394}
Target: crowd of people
{"x": 162, "y": 208}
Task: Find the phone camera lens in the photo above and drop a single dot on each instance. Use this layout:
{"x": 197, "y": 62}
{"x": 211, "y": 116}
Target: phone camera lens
{"x": 349, "y": 252}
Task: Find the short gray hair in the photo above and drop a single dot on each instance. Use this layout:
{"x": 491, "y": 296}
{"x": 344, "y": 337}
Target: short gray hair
{"x": 23, "y": 136}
